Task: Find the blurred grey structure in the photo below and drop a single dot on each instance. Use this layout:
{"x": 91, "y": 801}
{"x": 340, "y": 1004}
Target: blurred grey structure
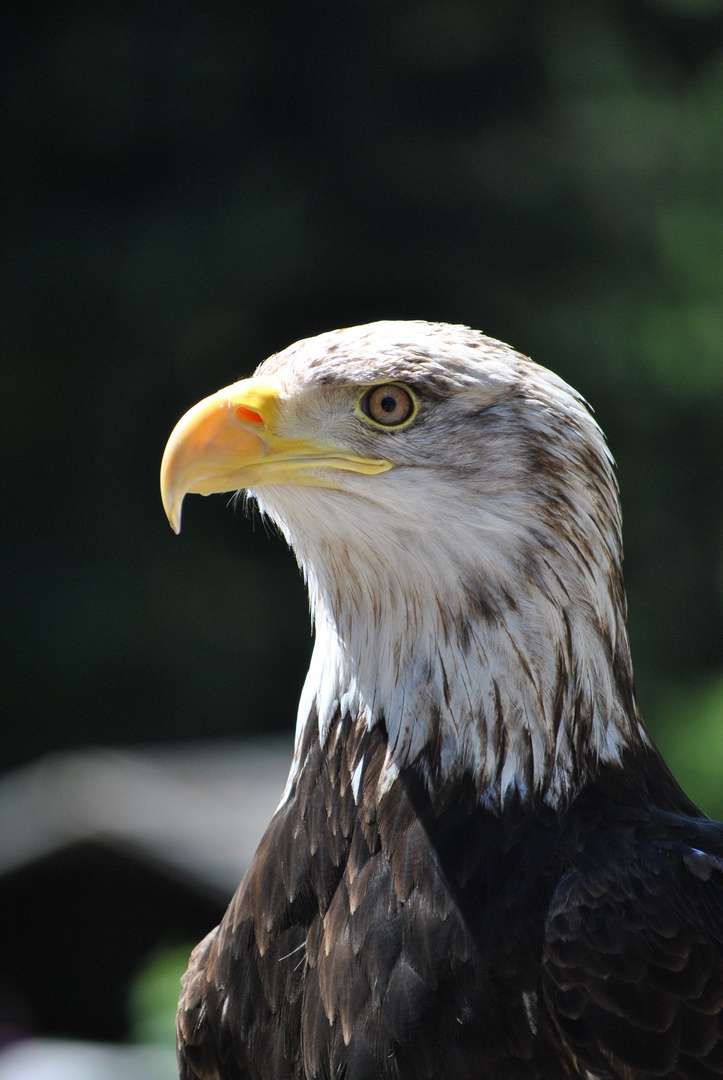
{"x": 108, "y": 855}
{"x": 56, "y": 1060}
{"x": 197, "y": 810}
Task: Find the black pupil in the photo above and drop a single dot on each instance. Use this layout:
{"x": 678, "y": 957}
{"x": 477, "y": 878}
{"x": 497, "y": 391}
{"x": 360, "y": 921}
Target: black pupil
{"x": 389, "y": 403}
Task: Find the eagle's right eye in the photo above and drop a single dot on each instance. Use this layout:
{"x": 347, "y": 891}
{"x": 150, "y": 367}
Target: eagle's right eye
{"x": 389, "y": 405}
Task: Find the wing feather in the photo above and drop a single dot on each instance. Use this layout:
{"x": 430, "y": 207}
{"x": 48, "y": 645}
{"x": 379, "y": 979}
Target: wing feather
{"x": 632, "y": 962}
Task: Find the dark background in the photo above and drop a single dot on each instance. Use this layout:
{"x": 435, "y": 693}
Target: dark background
{"x": 189, "y": 187}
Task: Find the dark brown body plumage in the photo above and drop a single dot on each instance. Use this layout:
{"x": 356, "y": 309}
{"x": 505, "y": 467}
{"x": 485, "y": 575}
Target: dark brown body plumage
{"x": 417, "y": 939}
{"x": 481, "y": 868}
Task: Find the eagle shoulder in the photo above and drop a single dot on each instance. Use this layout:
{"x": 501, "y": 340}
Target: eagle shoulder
{"x": 633, "y": 954}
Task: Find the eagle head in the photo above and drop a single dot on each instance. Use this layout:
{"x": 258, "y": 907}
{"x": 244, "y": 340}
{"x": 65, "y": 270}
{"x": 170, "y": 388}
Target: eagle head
{"x": 454, "y": 509}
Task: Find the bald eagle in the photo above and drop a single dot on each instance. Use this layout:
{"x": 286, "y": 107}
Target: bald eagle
{"x": 480, "y": 866}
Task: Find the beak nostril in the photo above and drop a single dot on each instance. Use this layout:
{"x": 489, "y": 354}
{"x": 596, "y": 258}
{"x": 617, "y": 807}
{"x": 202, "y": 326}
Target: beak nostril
{"x": 248, "y": 415}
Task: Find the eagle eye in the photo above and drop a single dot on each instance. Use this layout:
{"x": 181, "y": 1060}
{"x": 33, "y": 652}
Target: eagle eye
{"x": 389, "y": 405}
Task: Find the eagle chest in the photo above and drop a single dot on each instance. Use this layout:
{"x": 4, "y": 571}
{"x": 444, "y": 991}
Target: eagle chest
{"x": 388, "y": 937}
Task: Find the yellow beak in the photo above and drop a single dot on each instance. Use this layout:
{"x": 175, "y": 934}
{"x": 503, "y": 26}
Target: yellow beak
{"x": 231, "y": 440}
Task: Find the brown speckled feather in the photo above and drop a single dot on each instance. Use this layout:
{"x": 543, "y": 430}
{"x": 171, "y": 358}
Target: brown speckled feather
{"x": 432, "y": 936}
{"x": 375, "y": 958}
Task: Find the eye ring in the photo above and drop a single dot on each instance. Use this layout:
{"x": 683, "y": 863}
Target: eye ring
{"x": 388, "y": 405}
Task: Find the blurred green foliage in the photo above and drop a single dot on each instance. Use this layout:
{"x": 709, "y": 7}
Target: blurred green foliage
{"x": 189, "y": 187}
{"x": 153, "y": 998}
{"x": 690, "y": 734}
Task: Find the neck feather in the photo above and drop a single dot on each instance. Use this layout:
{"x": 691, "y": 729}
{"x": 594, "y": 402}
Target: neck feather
{"x": 515, "y": 673}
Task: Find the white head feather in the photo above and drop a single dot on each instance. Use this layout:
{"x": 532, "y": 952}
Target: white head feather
{"x": 471, "y": 598}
